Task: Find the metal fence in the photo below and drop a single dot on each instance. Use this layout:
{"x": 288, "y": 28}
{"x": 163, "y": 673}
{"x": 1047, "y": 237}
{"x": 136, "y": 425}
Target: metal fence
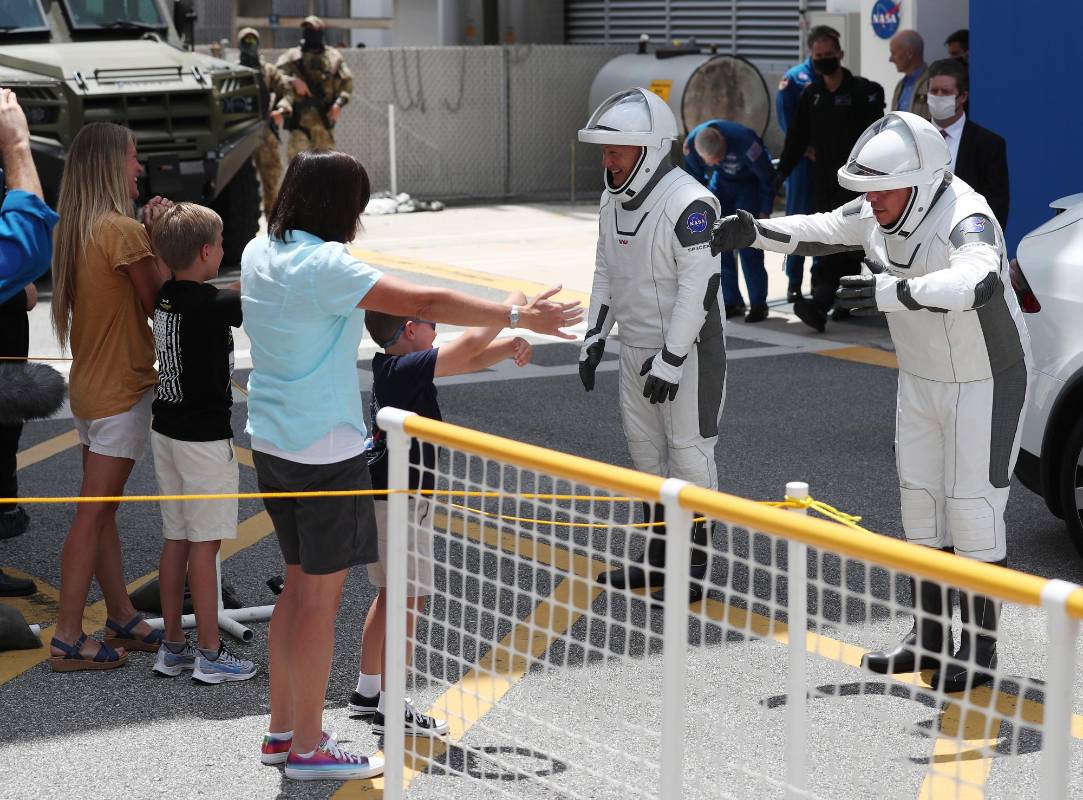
{"x": 474, "y": 122}
{"x": 555, "y": 685}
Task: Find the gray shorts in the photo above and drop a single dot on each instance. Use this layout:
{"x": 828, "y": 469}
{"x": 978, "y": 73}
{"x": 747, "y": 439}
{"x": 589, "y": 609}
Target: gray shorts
{"x": 321, "y": 534}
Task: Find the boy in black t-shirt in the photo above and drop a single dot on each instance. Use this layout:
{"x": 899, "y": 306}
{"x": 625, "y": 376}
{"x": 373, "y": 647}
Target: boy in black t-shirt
{"x": 192, "y": 437}
{"x": 402, "y": 377}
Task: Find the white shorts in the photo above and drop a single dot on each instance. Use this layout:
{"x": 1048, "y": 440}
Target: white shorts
{"x": 196, "y": 468}
{"x": 419, "y": 569}
{"x": 122, "y": 435}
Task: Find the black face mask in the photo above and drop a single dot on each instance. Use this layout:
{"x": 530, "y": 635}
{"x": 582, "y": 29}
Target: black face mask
{"x": 250, "y": 53}
{"x": 826, "y": 66}
{"x": 311, "y": 40}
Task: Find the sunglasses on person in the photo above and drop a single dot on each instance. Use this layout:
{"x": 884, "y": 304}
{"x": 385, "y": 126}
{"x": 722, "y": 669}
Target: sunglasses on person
{"x": 399, "y": 330}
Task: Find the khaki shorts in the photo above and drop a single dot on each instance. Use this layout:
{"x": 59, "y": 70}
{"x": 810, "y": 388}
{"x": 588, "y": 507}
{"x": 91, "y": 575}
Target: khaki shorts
{"x": 196, "y": 468}
{"x": 122, "y": 435}
{"x": 419, "y": 569}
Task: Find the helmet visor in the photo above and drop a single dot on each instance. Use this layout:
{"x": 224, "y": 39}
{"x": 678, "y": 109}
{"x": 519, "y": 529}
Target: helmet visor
{"x": 886, "y": 152}
{"x": 625, "y": 118}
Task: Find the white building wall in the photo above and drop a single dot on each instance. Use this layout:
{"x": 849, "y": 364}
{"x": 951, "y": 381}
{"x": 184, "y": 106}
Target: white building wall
{"x": 935, "y": 20}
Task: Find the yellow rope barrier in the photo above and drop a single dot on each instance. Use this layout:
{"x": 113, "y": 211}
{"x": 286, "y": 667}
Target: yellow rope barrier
{"x": 832, "y": 513}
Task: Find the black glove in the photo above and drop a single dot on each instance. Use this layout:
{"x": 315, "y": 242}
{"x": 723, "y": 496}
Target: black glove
{"x": 733, "y": 232}
{"x": 589, "y": 364}
{"x": 857, "y": 294}
{"x": 656, "y": 389}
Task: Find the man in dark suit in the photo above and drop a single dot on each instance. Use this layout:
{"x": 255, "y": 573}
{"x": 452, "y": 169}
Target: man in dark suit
{"x": 978, "y": 156}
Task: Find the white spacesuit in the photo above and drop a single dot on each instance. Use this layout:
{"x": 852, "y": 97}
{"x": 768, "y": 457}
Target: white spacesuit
{"x": 656, "y": 277}
{"x": 940, "y": 272}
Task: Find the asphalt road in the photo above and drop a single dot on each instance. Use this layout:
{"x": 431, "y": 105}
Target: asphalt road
{"x": 585, "y": 718}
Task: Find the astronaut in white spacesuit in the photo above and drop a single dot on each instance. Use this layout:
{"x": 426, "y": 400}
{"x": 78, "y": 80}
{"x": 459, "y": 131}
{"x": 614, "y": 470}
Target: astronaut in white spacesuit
{"x": 656, "y": 277}
{"x": 940, "y": 272}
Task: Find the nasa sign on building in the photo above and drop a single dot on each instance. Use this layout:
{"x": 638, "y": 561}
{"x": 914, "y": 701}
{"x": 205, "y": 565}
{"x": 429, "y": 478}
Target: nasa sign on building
{"x": 885, "y": 17}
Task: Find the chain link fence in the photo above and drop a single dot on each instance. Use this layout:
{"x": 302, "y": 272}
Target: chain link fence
{"x": 478, "y": 123}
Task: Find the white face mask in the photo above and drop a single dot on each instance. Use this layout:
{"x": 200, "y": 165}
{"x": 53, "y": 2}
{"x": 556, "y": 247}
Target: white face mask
{"x": 942, "y": 106}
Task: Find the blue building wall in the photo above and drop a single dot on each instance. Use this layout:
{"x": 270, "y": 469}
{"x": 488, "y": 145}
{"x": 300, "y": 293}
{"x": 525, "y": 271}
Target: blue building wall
{"x": 1026, "y": 70}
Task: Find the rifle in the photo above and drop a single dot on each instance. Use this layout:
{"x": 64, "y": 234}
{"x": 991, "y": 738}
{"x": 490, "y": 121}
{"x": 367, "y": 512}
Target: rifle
{"x": 316, "y": 99}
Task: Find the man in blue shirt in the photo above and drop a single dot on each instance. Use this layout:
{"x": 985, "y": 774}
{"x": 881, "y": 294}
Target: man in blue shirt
{"x": 912, "y": 90}
{"x": 799, "y": 182}
{"x": 732, "y": 161}
{"x": 26, "y": 248}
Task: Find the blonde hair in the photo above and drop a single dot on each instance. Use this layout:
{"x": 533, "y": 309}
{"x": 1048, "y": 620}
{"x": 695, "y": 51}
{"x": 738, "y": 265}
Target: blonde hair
{"x": 94, "y": 184}
{"x": 181, "y": 231}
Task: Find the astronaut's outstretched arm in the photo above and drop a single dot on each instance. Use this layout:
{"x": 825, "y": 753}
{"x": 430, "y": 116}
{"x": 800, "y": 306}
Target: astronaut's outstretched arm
{"x": 971, "y": 279}
{"x": 697, "y": 290}
{"x": 799, "y": 234}
{"x": 599, "y": 320}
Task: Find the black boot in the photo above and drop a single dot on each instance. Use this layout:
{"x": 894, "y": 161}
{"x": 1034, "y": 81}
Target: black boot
{"x": 633, "y": 576}
{"x": 923, "y": 647}
{"x": 697, "y": 568}
{"x": 811, "y": 314}
{"x": 16, "y": 587}
{"x": 977, "y": 650}
{"x": 13, "y": 522}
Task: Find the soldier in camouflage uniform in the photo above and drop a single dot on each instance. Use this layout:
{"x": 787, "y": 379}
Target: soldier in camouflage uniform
{"x": 273, "y": 90}
{"x": 320, "y": 84}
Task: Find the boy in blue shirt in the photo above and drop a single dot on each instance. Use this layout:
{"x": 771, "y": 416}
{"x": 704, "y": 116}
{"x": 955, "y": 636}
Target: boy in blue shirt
{"x": 402, "y": 377}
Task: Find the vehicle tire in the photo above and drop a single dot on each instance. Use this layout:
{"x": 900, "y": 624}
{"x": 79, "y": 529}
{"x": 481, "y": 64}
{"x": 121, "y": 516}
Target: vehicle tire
{"x": 238, "y": 205}
{"x": 1070, "y": 478}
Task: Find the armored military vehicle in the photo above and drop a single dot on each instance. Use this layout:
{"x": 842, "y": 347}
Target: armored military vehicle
{"x": 195, "y": 118}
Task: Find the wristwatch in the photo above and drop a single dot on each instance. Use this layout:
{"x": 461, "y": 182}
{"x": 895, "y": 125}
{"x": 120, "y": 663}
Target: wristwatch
{"x": 513, "y": 317}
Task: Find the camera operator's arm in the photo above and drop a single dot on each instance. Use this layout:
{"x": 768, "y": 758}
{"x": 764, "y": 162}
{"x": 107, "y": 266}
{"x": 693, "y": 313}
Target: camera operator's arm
{"x": 26, "y": 247}
{"x": 15, "y": 146}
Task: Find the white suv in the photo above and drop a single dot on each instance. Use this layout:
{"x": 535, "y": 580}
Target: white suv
{"x": 1047, "y": 274}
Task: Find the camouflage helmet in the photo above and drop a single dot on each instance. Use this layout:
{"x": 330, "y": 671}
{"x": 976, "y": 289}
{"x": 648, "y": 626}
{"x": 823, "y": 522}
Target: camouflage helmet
{"x": 312, "y": 22}
{"x": 243, "y": 32}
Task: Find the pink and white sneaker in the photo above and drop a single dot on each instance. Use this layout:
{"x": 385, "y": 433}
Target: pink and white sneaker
{"x": 275, "y": 751}
{"x": 331, "y": 763}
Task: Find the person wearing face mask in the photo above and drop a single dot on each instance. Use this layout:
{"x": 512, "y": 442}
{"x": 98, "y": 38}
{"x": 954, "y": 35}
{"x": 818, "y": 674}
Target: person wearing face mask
{"x": 978, "y": 156}
{"x": 274, "y": 106}
{"x": 799, "y": 183}
{"x": 320, "y": 86}
{"x": 655, "y": 276}
{"x": 832, "y": 113}
{"x": 939, "y": 270}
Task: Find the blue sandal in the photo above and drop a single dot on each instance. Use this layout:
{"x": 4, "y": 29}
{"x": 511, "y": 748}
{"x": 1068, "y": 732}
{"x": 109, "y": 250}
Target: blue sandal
{"x": 73, "y": 660}
{"x": 122, "y": 636}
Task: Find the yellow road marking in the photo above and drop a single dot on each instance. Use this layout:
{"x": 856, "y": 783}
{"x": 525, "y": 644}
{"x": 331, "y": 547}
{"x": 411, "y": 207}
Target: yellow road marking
{"x": 462, "y": 274}
{"x": 47, "y": 449}
{"x": 863, "y": 355}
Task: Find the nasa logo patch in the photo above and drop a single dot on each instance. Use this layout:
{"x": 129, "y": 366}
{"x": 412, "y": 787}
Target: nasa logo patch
{"x": 696, "y": 222}
{"x": 973, "y": 225}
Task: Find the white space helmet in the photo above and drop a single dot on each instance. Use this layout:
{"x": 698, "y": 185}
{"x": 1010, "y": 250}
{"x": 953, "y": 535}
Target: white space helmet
{"x": 635, "y": 117}
{"x": 898, "y": 151}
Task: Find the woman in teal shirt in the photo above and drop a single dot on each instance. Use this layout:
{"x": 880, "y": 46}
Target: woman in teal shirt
{"x": 303, "y": 296}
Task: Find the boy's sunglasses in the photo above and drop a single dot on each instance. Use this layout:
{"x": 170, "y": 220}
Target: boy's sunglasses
{"x": 402, "y": 327}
